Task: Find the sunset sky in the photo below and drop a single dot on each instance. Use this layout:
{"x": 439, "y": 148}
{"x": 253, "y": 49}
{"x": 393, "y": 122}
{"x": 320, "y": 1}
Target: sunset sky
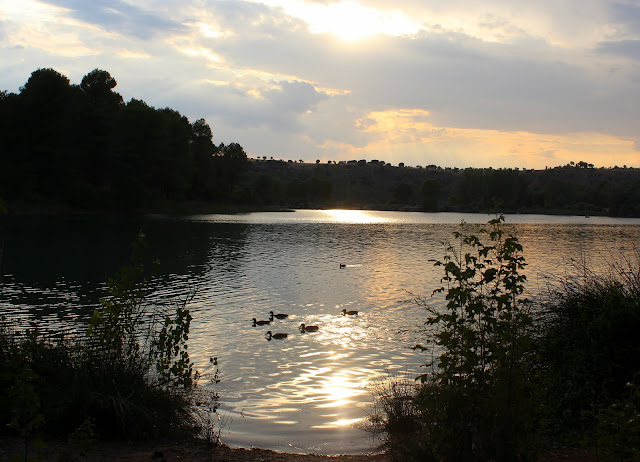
{"x": 497, "y": 83}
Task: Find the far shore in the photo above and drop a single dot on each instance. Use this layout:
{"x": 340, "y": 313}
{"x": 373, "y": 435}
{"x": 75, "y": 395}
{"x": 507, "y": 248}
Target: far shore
{"x": 204, "y": 208}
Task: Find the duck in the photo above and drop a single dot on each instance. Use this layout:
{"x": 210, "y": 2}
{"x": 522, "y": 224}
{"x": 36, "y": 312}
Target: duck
{"x": 278, "y": 336}
{"x": 304, "y": 328}
{"x": 350, "y": 313}
{"x": 279, "y": 315}
{"x": 260, "y": 323}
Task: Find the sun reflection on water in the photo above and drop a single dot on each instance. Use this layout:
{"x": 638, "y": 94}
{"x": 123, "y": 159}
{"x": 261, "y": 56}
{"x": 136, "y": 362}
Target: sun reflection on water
{"x": 354, "y": 216}
{"x": 339, "y": 387}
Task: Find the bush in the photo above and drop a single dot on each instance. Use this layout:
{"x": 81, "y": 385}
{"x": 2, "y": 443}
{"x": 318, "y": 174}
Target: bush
{"x": 476, "y": 401}
{"x": 395, "y": 416}
{"x": 129, "y": 377}
{"x": 589, "y": 348}
{"x": 618, "y": 427}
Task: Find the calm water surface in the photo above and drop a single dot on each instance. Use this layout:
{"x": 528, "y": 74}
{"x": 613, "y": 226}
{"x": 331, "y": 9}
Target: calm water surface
{"x": 307, "y": 393}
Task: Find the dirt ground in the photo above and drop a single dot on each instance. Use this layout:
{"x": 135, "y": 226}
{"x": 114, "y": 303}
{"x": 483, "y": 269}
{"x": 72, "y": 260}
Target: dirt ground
{"x": 200, "y": 451}
{"x": 185, "y": 450}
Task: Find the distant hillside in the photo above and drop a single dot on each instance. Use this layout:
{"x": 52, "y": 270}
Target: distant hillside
{"x": 572, "y": 189}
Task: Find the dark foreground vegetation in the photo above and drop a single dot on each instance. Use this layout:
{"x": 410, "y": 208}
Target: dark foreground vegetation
{"x": 511, "y": 377}
{"x": 127, "y": 377}
{"x": 82, "y": 148}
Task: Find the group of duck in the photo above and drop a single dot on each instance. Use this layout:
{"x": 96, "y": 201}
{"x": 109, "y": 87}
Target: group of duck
{"x": 303, "y": 327}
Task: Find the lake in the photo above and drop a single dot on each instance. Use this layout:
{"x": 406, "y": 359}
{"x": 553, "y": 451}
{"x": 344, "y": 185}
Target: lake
{"x": 309, "y": 392}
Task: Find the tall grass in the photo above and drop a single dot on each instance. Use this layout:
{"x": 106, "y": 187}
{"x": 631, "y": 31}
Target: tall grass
{"x": 589, "y": 349}
{"x": 395, "y": 417}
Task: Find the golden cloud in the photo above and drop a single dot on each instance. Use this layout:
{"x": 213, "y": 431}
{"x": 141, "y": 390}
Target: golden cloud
{"x": 408, "y": 135}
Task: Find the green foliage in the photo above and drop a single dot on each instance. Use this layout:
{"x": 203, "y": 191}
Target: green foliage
{"x": 618, "y": 427}
{"x": 231, "y": 163}
{"x": 98, "y": 85}
{"x": 395, "y": 414}
{"x": 81, "y": 146}
{"x": 476, "y": 401}
{"x": 113, "y": 332}
{"x": 26, "y": 417}
{"x": 172, "y": 357}
{"x": 487, "y": 189}
{"x": 402, "y": 193}
{"x": 588, "y": 346}
{"x": 130, "y": 376}
{"x": 430, "y": 194}
{"x": 125, "y": 341}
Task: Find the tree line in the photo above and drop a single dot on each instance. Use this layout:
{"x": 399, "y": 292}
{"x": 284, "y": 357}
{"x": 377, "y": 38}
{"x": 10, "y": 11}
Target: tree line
{"x": 570, "y": 189}
{"x": 82, "y": 147}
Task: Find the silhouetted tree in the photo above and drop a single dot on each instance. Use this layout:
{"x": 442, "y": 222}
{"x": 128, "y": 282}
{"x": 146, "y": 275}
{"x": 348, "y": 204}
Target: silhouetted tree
{"x": 203, "y": 150}
{"x": 232, "y": 162}
{"x": 102, "y": 109}
{"x": 402, "y": 193}
{"x": 266, "y": 189}
{"x": 81, "y": 145}
{"x": 296, "y": 190}
{"x": 47, "y": 109}
{"x": 430, "y": 194}
{"x": 98, "y": 85}
{"x": 319, "y": 189}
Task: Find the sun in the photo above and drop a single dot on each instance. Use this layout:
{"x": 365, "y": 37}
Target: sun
{"x": 348, "y": 20}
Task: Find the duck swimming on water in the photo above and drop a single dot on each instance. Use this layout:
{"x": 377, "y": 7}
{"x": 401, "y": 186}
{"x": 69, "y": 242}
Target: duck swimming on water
{"x": 278, "y": 336}
{"x": 279, "y": 315}
{"x": 260, "y": 323}
{"x": 304, "y": 328}
{"x": 350, "y": 313}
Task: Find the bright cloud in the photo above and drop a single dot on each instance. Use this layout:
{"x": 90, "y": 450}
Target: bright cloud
{"x": 409, "y": 133}
{"x": 349, "y": 20}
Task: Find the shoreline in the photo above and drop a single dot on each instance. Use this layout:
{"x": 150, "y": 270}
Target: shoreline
{"x": 198, "y": 450}
{"x": 22, "y": 208}
{"x": 191, "y": 449}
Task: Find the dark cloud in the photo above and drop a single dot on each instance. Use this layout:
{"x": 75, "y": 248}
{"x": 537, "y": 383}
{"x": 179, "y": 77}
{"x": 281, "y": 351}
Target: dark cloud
{"x": 118, "y": 16}
{"x": 626, "y": 48}
{"x": 279, "y": 110}
{"x": 296, "y": 97}
{"x": 627, "y": 14}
